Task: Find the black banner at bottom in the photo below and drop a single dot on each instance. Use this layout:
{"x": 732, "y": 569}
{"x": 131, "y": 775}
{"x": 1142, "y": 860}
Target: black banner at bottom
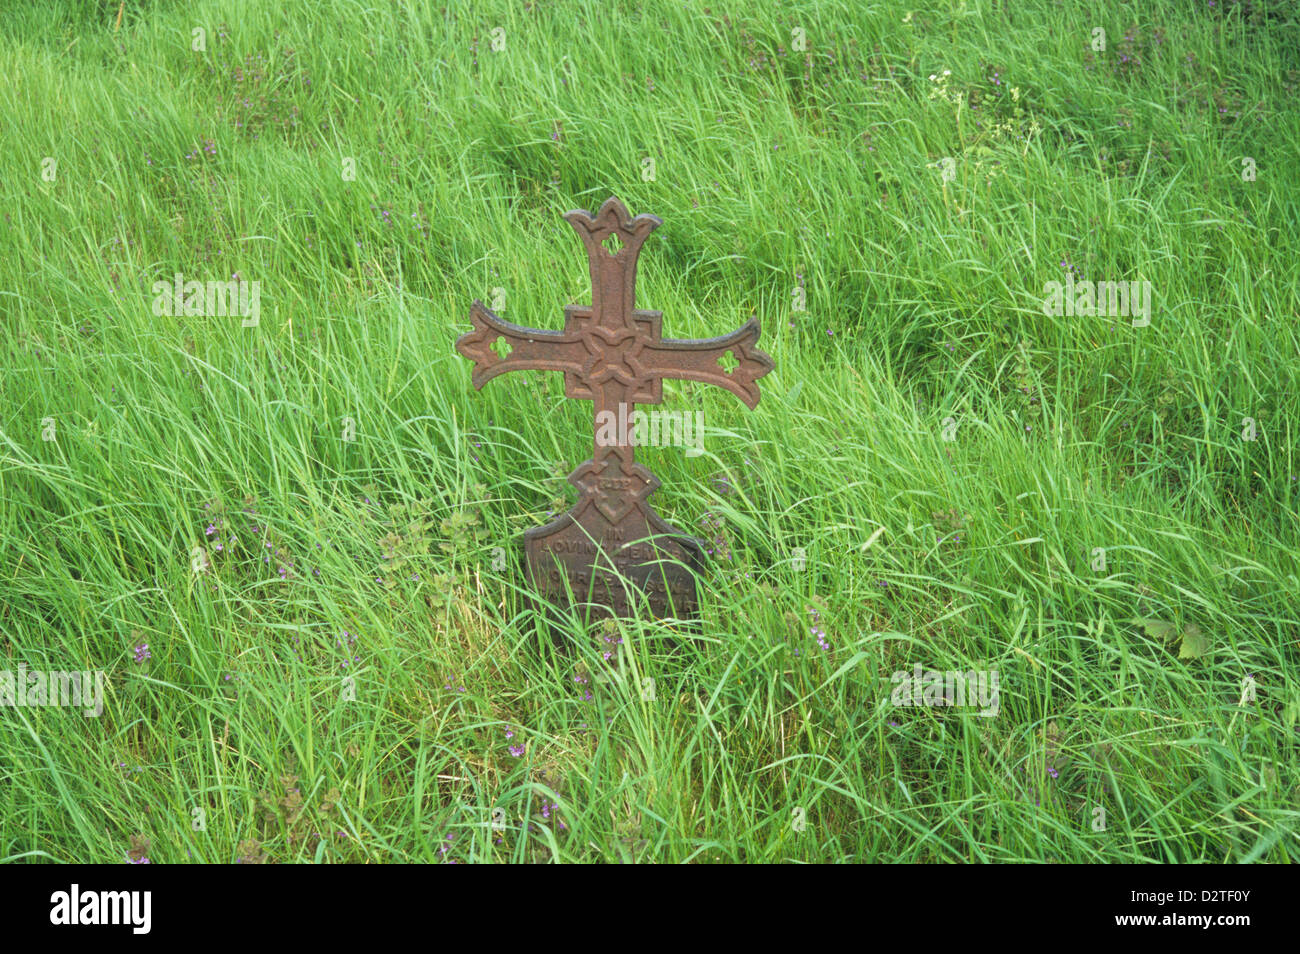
{"x": 303, "y": 904}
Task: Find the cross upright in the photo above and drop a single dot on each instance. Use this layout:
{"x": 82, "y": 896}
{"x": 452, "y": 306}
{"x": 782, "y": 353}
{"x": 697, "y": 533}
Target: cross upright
{"x": 613, "y": 355}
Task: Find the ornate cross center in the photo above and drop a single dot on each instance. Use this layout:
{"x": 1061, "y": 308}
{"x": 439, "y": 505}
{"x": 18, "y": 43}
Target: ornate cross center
{"x": 614, "y": 355}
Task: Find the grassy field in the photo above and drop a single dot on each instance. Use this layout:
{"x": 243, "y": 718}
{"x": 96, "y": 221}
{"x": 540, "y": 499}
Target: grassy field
{"x": 281, "y": 539}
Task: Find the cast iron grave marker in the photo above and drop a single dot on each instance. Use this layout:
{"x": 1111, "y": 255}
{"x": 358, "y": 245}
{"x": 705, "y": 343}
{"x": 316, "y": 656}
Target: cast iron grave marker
{"x": 612, "y": 354}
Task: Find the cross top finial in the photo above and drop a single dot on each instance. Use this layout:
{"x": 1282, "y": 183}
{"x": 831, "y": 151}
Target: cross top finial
{"x": 613, "y": 270}
{"x": 612, "y": 219}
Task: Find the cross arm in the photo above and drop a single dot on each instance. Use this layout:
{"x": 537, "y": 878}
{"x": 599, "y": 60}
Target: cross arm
{"x": 696, "y": 359}
{"x": 531, "y": 349}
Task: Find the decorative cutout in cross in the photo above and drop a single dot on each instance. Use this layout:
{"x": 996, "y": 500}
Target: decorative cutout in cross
{"x": 613, "y": 355}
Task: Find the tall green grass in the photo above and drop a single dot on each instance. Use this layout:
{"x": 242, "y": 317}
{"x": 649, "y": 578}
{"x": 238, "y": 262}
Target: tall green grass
{"x": 928, "y": 477}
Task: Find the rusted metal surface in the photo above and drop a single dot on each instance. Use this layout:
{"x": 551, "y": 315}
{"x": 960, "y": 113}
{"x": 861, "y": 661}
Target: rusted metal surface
{"x": 613, "y": 355}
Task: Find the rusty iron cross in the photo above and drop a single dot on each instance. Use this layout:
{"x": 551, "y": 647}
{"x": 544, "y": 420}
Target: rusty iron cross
{"x": 613, "y": 355}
